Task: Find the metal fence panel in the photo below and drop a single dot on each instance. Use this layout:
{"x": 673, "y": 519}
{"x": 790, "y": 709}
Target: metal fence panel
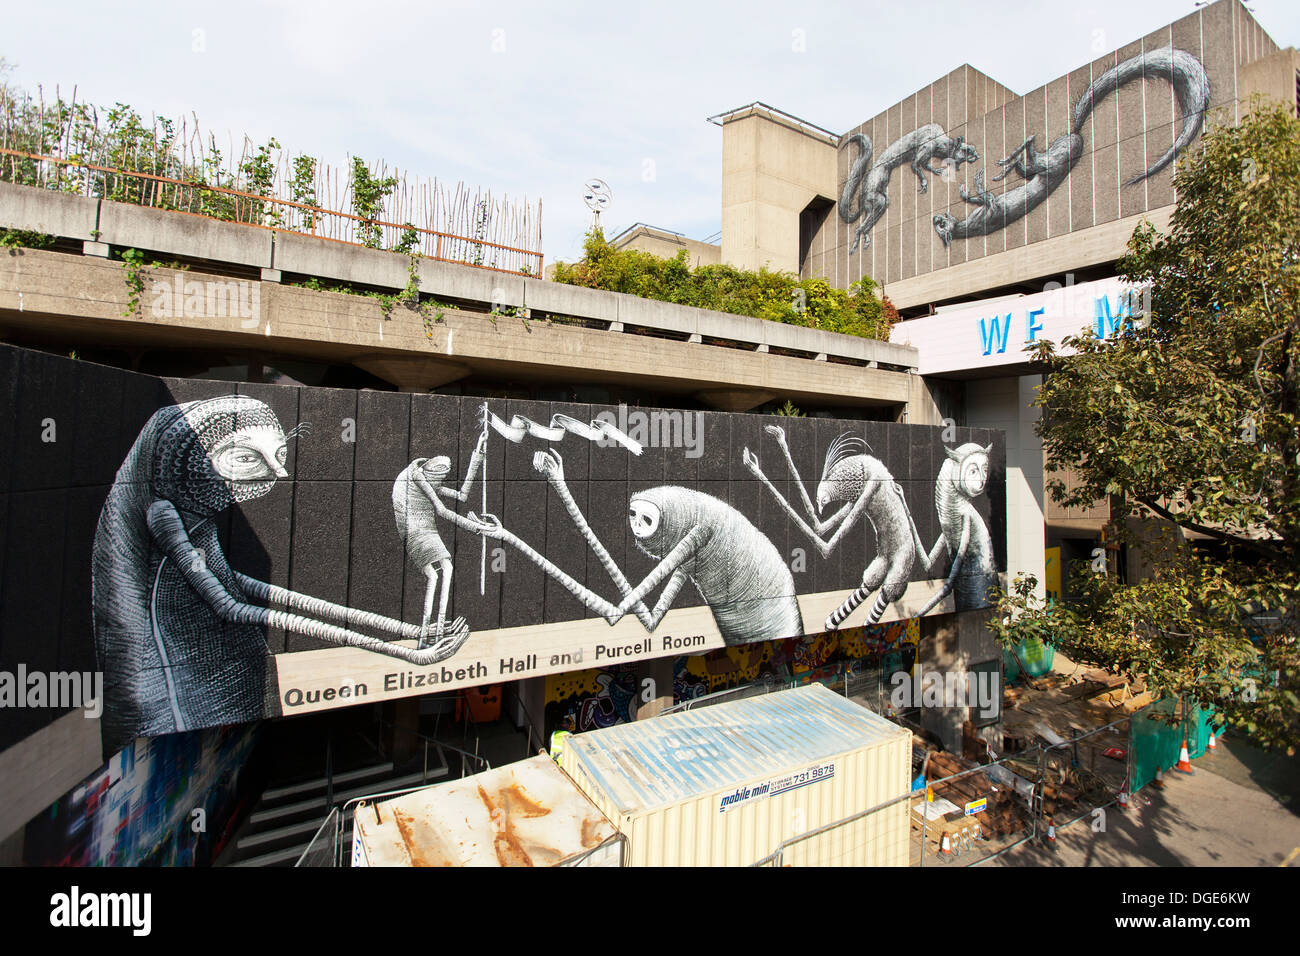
{"x": 323, "y": 850}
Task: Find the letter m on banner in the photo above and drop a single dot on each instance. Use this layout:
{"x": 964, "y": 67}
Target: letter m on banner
{"x": 1107, "y": 324}
{"x": 994, "y": 331}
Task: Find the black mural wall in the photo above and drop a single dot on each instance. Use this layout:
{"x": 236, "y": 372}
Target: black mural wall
{"x": 190, "y": 538}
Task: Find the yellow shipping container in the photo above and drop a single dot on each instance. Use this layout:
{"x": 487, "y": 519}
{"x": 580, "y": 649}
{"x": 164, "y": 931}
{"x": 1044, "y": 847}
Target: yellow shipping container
{"x": 725, "y": 785}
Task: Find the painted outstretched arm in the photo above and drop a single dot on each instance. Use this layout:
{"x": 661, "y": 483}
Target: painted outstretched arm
{"x": 325, "y": 610}
{"x": 551, "y": 465}
{"x": 956, "y": 568}
{"x": 845, "y": 517}
{"x": 443, "y": 511}
{"x": 173, "y": 540}
{"x": 490, "y": 526}
{"x": 777, "y": 432}
{"x": 931, "y": 560}
{"x": 470, "y": 473}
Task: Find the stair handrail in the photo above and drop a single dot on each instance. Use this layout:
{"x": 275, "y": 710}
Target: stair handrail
{"x": 479, "y": 760}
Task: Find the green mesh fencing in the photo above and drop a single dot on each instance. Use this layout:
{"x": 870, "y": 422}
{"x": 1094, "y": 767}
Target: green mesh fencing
{"x": 1036, "y": 657}
{"x": 1155, "y": 743}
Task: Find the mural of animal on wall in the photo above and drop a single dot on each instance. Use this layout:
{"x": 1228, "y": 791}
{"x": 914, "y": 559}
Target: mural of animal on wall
{"x": 694, "y": 537}
{"x": 1042, "y": 172}
{"x": 919, "y": 149}
{"x": 862, "y": 486}
{"x": 963, "y": 477}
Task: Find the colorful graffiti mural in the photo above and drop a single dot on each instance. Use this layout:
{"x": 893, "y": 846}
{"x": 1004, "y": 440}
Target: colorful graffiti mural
{"x": 163, "y": 801}
{"x": 811, "y": 658}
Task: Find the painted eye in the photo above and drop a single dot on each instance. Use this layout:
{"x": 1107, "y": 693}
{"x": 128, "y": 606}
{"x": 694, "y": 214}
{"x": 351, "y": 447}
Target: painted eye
{"x": 281, "y": 454}
{"x": 241, "y": 463}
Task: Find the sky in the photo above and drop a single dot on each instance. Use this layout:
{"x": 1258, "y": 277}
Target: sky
{"x": 531, "y": 99}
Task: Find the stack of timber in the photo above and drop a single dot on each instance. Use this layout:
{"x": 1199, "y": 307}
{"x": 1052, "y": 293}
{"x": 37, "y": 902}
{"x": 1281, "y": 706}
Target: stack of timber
{"x": 1005, "y": 813}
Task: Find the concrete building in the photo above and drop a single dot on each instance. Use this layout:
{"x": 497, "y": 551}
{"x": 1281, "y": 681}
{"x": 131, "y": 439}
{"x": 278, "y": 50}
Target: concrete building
{"x": 109, "y": 365}
{"x": 667, "y": 244}
{"x": 968, "y": 202}
{"x": 977, "y": 266}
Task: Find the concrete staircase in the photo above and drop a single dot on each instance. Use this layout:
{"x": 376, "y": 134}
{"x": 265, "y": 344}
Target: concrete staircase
{"x": 287, "y": 817}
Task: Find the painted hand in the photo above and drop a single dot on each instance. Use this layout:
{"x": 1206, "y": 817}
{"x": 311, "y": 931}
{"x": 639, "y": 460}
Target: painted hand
{"x": 776, "y": 431}
{"x": 550, "y": 465}
{"x": 489, "y": 525}
{"x": 751, "y": 462}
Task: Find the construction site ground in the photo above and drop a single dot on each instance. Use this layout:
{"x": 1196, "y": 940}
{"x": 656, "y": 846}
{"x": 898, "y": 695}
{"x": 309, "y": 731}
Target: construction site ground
{"x": 1239, "y": 807}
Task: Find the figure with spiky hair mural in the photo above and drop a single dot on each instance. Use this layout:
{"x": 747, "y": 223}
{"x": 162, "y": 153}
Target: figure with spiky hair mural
{"x": 859, "y": 484}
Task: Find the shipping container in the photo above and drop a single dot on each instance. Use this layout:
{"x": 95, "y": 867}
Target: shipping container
{"x": 725, "y": 785}
{"x": 525, "y": 814}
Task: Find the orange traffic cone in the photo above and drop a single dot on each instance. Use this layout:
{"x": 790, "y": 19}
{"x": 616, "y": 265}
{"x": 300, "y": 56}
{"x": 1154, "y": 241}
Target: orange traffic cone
{"x": 1159, "y": 782}
{"x": 1051, "y": 834}
{"x": 1184, "y": 764}
{"x": 1212, "y": 744}
{"x": 1123, "y": 799}
{"x": 945, "y": 847}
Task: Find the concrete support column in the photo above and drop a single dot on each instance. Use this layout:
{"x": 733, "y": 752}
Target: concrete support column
{"x": 1005, "y": 403}
{"x": 956, "y": 643}
{"x": 413, "y": 373}
{"x": 734, "y": 399}
{"x": 660, "y": 673}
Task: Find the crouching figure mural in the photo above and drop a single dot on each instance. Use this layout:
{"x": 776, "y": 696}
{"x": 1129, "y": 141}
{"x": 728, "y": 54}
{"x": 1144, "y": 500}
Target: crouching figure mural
{"x": 695, "y": 538}
{"x": 179, "y": 633}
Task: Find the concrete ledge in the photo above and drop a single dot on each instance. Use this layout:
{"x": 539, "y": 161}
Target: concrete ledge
{"x": 195, "y": 237}
{"x": 454, "y": 281}
{"x": 1047, "y": 257}
{"x": 39, "y": 769}
{"x": 341, "y": 261}
{"x": 43, "y": 210}
{"x": 82, "y": 299}
{"x": 572, "y": 300}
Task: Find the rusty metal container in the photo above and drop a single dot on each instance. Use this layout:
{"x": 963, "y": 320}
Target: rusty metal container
{"x": 725, "y": 785}
{"x": 524, "y": 814}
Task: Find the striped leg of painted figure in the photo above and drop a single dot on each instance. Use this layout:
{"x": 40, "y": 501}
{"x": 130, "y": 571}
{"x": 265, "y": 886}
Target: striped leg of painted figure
{"x": 892, "y": 583}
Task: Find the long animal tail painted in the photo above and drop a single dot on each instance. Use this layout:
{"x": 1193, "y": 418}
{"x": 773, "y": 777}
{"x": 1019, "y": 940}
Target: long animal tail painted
{"x": 848, "y": 212}
{"x": 1191, "y": 88}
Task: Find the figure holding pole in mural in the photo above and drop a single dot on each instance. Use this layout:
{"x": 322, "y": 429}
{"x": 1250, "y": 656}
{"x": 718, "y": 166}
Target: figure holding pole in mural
{"x": 416, "y": 508}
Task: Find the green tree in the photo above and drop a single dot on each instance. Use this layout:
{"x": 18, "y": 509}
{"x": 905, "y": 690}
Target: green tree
{"x": 1189, "y": 419}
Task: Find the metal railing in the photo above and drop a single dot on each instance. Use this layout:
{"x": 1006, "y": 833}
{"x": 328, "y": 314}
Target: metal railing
{"x": 260, "y": 211}
{"x": 1050, "y": 784}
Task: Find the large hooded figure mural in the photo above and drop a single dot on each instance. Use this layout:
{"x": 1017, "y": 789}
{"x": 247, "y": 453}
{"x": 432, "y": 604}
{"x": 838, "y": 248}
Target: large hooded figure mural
{"x": 172, "y": 663}
{"x": 179, "y": 634}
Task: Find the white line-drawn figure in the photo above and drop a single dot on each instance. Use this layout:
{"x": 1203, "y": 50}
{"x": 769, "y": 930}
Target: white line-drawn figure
{"x": 416, "y": 509}
{"x": 963, "y": 477}
{"x": 176, "y": 634}
{"x": 863, "y": 485}
{"x": 694, "y": 537}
